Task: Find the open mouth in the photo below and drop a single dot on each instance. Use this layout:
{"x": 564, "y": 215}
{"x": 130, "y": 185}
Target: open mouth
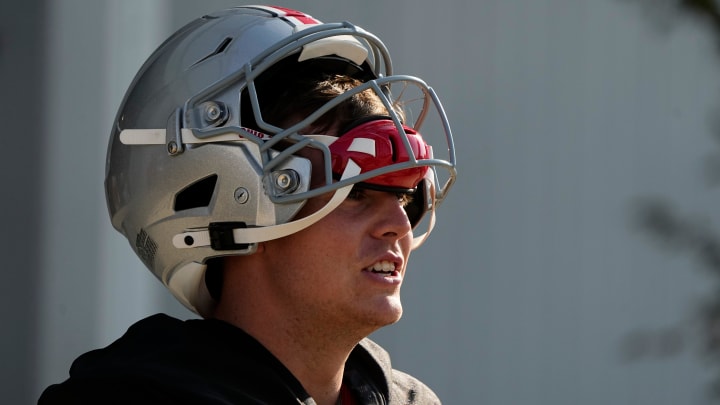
{"x": 382, "y": 267}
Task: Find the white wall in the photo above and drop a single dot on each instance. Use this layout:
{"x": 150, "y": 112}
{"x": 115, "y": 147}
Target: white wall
{"x": 538, "y": 286}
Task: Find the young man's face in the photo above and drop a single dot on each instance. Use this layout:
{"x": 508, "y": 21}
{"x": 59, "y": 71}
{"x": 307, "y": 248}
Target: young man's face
{"x": 348, "y": 267}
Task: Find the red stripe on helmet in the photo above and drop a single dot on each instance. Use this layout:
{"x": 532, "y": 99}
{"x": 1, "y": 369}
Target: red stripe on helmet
{"x": 300, "y": 16}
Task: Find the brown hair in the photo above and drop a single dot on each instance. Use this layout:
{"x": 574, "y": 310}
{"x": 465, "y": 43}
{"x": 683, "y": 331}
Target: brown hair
{"x": 305, "y": 96}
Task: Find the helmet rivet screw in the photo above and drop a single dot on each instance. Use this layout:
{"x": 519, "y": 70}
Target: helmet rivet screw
{"x": 212, "y": 112}
{"x": 172, "y": 147}
{"x": 242, "y": 195}
{"x": 283, "y": 180}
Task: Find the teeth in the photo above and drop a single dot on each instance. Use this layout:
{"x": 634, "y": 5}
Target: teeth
{"x": 382, "y": 267}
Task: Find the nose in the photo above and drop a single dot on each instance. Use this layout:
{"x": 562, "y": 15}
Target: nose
{"x": 392, "y": 220}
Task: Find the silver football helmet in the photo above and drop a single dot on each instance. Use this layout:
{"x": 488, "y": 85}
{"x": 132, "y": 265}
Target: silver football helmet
{"x": 195, "y": 172}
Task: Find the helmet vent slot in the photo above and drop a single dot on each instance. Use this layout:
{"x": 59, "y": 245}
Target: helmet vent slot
{"x": 198, "y": 194}
{"x": 220, "y": 49}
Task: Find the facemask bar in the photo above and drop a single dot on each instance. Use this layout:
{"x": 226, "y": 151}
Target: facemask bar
{"x": 429, "y": 97}
{"x": 292, "y": 44}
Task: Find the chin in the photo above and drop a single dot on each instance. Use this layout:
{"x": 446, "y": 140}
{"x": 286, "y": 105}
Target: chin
{"x": 387, "y": 313}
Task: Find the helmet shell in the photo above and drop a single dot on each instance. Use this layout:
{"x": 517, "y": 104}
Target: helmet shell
{"x": 143, "y": 182}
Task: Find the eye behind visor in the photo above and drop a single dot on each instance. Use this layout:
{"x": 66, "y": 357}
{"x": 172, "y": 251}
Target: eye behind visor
{"x": 416, "y": 205}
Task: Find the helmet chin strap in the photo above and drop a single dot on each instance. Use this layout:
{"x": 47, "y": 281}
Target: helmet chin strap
{"x": 261, "y": 234}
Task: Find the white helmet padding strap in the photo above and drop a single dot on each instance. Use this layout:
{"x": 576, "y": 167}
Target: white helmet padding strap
{"x": 157, "y": 137}
{"x": 345, "y": 46}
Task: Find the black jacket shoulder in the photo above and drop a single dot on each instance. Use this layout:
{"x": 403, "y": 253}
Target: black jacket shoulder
{"x": 163, "y": 360}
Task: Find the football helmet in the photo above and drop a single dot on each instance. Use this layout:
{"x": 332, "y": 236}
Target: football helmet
{"x": 195, "y": 172}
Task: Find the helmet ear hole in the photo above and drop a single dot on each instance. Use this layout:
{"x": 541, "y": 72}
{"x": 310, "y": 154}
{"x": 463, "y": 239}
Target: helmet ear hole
{"x": 198, "y": 194}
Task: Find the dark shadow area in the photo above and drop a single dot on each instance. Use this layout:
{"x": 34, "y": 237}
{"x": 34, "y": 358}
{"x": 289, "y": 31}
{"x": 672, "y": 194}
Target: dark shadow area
{"x": 682, "y": 233}
{"x": 22, "y": 60}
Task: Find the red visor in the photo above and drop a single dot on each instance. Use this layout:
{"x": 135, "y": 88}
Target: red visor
{"x": 377, "y": 144}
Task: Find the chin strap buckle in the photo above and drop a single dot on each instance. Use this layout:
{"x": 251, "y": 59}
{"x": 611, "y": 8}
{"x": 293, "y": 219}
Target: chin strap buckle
{"x": 221, "y": 236}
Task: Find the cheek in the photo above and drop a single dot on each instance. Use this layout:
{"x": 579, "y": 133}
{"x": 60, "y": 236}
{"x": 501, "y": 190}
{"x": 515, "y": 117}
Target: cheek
{"x": 320, "y": 242}
{"x": 406, "y": 244}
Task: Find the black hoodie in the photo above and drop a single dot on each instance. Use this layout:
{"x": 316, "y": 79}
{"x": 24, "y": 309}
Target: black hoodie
{"x": 163, "y": 360}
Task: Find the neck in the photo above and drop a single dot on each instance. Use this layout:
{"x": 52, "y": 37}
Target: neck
{"x": 315, "y": 357}
{"x": 314, "y": 353}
